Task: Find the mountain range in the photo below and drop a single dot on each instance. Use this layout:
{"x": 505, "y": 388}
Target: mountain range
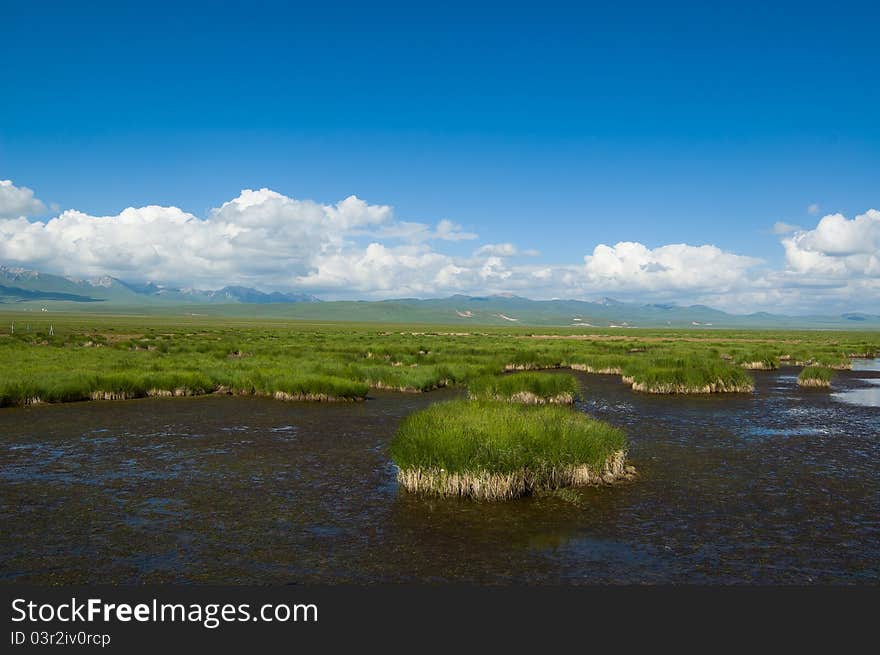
{"x": 18, "y": 284}
{"x": 27, "y": 289}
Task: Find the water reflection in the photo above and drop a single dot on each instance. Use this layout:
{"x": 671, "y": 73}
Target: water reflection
{"x": 867, "y": 393}
{"x": 867, "y": 397}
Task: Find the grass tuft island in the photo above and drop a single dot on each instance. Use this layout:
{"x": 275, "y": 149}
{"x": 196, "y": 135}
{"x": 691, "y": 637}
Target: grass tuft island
{"x": 816, "y": 377}
{"x": 526, "y": 388}
{"x": 687, "y": 375}
{"x": 136, "y": 384}
{"x": 495, "y": 450}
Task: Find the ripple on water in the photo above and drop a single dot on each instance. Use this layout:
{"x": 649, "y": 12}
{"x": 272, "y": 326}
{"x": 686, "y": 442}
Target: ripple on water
{"x": 777, "y": 486}
{"x": 800, "y": 431}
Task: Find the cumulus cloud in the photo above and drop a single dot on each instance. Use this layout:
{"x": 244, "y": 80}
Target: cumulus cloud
{"x": 354, "y": 249}
{"x": 260, "y": 237}
{"x": 634, "y": 266}
{"x": 837, "y": 247}
{"x": 18, "y": 201}
{"x": 378, "y": 269}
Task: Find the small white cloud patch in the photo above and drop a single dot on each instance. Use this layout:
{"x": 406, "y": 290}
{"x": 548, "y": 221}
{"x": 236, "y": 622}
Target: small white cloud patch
{"x": 18, "y": 201}
{"x": 780, "y": 227}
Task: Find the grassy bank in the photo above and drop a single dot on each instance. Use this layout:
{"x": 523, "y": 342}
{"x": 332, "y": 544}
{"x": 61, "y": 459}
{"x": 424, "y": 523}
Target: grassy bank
{"x": 528, "y": 388}
{"x": 815, "y": 376}
{"x": 128, "y": 385}
{"x": 496, "y": 450}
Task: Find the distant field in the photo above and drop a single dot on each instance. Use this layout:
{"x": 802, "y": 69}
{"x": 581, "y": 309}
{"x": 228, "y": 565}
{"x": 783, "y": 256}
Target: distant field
{"x": 120, "y": 356}
{"x": 464, "y": 311}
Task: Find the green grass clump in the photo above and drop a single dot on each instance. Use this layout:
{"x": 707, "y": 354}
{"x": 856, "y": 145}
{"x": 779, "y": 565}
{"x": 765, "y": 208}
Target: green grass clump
{"x": 129, "y": 385}
{"x": 190, "y": 382}
{"x": 535, "y": 358}
{"x": 306, "y": 387}
{"x": 762, "y": 359}
{"x": 525, "y": 387}
{"x": 492, "y": 449}
{"x": 693, "y": 374}
{"x": 815, "y": 376}
{"x": 600, "y": 363}
{"x": 57, "y": 390}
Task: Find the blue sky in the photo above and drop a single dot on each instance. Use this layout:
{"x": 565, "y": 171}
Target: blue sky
{"x": 554, "y": 127}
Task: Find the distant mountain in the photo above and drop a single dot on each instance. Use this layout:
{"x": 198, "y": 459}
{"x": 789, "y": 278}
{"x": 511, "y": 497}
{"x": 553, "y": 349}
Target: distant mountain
{"x": 248, "y": 295}
{"x": 19, "y": 285}
{"x": 25, "y": 289}
{"x": 25, "y": 294}
{"x": 226, "y": 295}
{"x": 605, "y": 313}
{"x": 22, "y": 284}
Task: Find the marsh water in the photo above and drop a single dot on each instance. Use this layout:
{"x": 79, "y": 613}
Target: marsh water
{"x": 778, "y": 486}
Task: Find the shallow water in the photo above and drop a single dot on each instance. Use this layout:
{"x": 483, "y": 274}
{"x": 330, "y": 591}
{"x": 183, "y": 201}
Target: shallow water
{"x": 866, "y": 397}
{"x": 868, "y": 394}
{"x": 866, "y": 364}
{"x": 779, "y": 486}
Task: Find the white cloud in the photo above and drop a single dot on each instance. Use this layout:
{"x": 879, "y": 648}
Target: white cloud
{"x": 837, "y": 247}
{"x": 633, "y": 266}
{"x": 494, "y": 270}
{"x": 449, "y": 231}
{"x": 18, "y": 201}
{"x": 411, "y": 232}
{"x": 543, "y": 274}
{"x": 353, "y": 249}
{"x": 504, "y": 250}
{"x": 780, "y": 227}
{"x": 813, "y": 209}
{"x": 379, "y": 270}
{"x": 261, "y": 237}
{"x": 498, "y": 250}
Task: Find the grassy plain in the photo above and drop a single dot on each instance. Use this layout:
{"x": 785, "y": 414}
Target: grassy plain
{"x": 117, "y": 356}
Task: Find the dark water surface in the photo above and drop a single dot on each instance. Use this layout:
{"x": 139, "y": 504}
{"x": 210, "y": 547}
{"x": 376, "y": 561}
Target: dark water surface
{"x": 781, "y": 486}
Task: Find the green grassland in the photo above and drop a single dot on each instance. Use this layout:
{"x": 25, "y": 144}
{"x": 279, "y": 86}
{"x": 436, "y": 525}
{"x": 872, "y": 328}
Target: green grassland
{"x": 119, "y": 356}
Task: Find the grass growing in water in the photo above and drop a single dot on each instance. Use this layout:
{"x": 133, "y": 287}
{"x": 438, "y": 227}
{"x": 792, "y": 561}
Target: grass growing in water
{"x": 497, "y": 450}
{"x": 125, "y": 356}
{"x": 694, "y": 374}
{"x": 761, "y": 360}
{"x": 529, "y": 388}
{"x": 815, "y": 376}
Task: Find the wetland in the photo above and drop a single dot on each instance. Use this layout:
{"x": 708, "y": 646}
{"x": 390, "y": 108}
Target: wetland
{"x": 780, "y": 485}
